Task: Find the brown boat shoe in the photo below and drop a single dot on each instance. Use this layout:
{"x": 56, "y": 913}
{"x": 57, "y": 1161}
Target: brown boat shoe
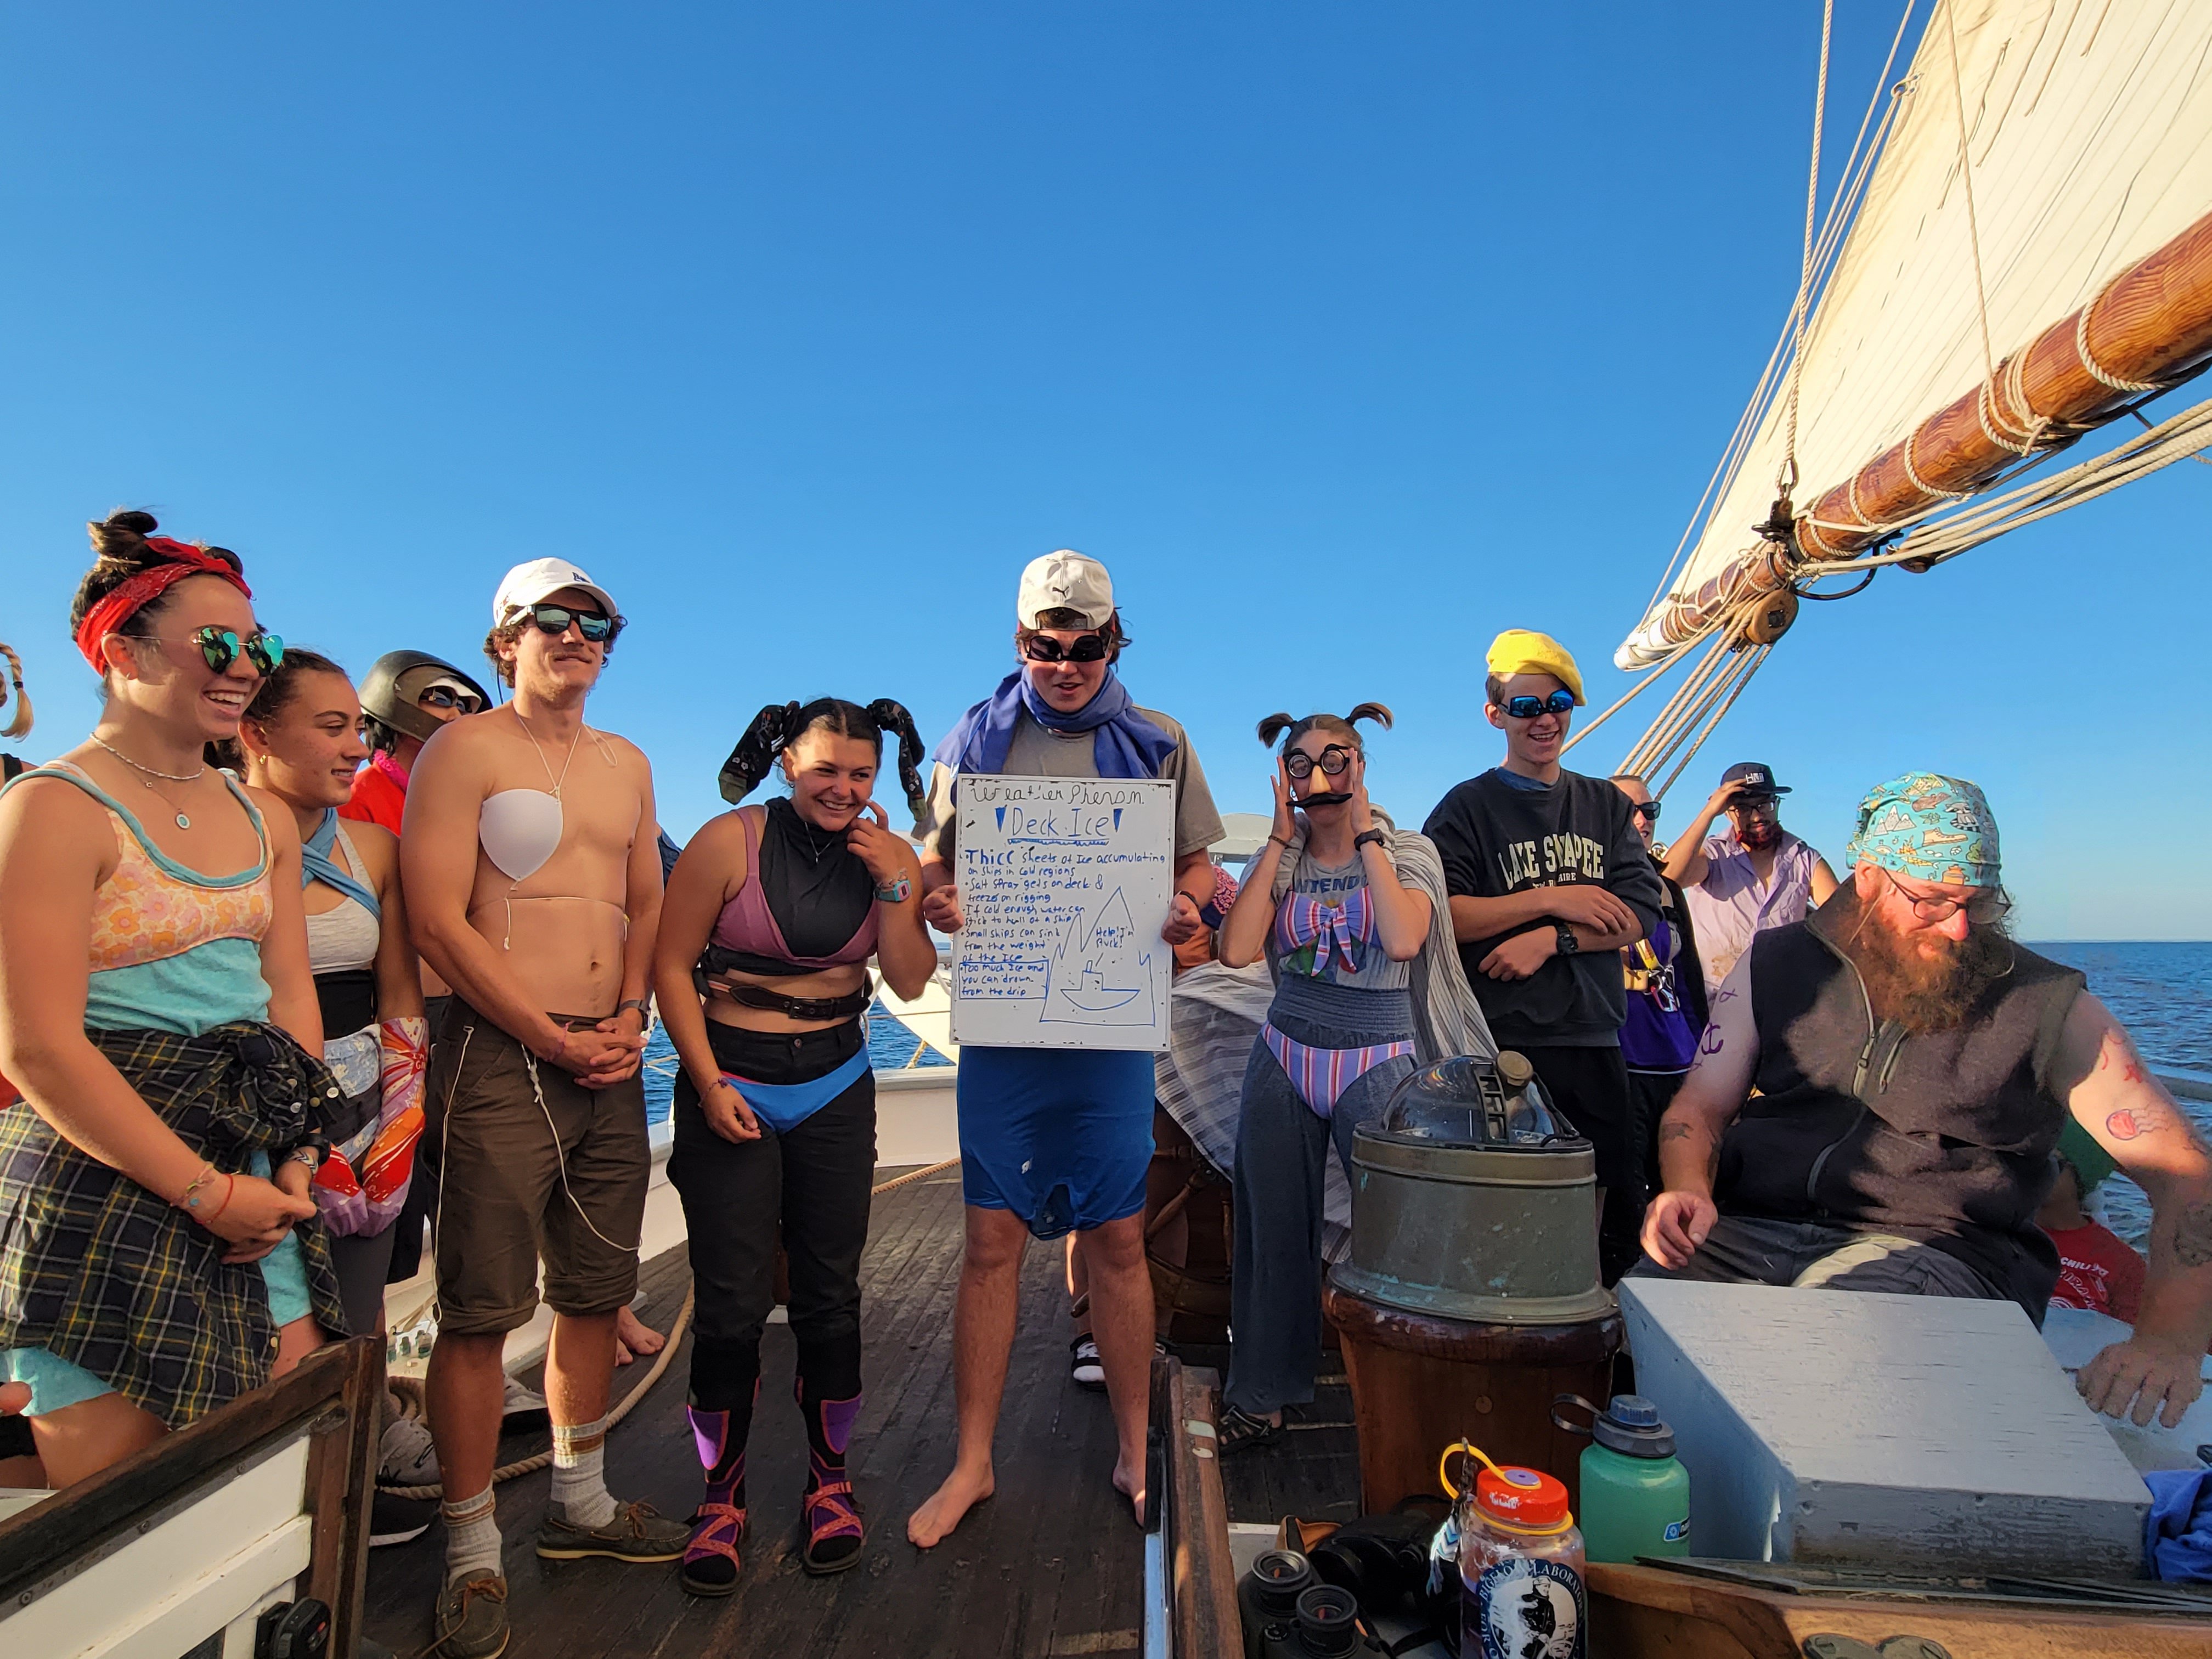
{"x": 635, "y": 1532}
{"x": 471, "y": 1619}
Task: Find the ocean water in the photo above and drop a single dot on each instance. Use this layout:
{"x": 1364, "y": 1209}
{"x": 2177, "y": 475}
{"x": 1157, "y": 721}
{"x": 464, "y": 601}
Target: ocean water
{"x": 2162, "y": 992}
{"x": 890, "y": 1046}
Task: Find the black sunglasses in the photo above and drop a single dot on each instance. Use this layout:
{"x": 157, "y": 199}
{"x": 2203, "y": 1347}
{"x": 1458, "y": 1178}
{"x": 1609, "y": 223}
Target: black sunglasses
{"x": 220, "y": 647}
{"x": 444, "y": 696}
{"x": 1527, "y": 708}
{"x": 1331, "y": 762}
{"x": 1042, "y": 647}
{"x": 1646, "y": 809}
{"x": 596, "y": 626}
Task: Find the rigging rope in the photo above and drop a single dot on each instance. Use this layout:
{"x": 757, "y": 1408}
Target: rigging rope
{"x": 1750, "y": 665}
{"x": 1858, "y": 169}
{"x": 2180, "y": 438}
{"x": 1787, "y": 481}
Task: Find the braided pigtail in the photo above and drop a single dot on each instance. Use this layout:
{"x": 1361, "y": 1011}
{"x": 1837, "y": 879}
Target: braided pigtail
{"x": 892, "y": 717}
{"x": 772, "y": 730}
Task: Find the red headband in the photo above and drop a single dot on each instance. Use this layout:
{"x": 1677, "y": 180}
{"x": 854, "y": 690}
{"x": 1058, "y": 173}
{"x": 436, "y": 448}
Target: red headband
{"x": 127, "y": 600}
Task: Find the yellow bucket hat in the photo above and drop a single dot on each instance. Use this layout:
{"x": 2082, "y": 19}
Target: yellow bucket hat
{"x": 1524, "y": 651}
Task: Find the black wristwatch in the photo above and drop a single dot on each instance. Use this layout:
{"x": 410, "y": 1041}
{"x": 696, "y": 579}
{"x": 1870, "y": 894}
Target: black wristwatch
{"x": 1367, "y": 835}
{"x": 1569, "y": 945}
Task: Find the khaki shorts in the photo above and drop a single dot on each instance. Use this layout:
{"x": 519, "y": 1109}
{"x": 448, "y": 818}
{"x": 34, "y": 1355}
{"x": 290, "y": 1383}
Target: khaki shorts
{"x": 514, "y": 1186}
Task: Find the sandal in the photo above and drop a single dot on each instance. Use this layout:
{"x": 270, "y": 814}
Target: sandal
{"x": 835, "y": 1532}
{"x": 710, "y": 1559}
{"x": 1086, "y": 1370}
{"x": 1241, "y": 1431}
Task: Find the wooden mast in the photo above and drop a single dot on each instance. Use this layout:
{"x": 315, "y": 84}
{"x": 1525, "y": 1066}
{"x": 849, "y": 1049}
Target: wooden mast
{"x": 2151, "y": 321}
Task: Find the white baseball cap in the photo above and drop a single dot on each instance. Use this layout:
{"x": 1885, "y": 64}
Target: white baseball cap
{"x": 527, "y": 584}
{"x": 1066, "y": 581}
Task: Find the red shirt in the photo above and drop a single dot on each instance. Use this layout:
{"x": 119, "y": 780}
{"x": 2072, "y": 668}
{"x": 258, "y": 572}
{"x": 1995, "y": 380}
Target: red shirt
{"x": 2099, "y": 1272}
{"x": 380, "y": 793}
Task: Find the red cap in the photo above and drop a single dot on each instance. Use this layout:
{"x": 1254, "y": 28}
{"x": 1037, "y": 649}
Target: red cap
{"x": 1527, "y": 1499}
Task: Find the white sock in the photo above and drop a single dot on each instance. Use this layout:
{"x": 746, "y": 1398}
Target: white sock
{"x": 580, "y": 1473}
{"x": 471, "y": 1536}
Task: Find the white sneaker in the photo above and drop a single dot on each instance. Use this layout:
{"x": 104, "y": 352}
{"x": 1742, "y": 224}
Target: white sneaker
{"x": 406, "y": 1457}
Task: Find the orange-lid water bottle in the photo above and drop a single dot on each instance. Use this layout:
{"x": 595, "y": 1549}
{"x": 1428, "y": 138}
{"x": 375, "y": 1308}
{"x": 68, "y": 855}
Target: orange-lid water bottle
{"x": 1519, "y": 1564}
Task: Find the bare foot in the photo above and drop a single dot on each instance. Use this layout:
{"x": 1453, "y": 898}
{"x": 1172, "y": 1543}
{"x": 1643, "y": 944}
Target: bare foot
{"x": 1131, "y": 1487}
{"x": 633, "y": 1337}
{"x": 948, "y": 1504}
{"x": 14, "y": 1397}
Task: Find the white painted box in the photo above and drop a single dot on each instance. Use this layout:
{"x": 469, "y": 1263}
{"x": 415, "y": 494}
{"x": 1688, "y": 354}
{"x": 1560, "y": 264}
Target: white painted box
{"x": 1904, "y": 1432}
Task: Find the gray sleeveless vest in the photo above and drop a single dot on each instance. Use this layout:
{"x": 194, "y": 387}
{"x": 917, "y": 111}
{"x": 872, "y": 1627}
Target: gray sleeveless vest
{"x": 1941, "y": 1137}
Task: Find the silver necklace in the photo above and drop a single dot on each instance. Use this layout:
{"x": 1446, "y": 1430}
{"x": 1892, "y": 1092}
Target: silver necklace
{"x": 540, "y": 749}
{"x": 183, "y": 821}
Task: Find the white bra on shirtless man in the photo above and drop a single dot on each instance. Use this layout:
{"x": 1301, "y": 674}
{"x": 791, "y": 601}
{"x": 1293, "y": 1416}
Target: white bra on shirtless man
{"x": 533, "y": 888}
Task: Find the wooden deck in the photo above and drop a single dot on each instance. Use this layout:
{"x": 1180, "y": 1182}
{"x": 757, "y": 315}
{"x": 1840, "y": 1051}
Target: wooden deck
{"x": 1053, "y": 1565}
{"x": 1312, "y": 1471}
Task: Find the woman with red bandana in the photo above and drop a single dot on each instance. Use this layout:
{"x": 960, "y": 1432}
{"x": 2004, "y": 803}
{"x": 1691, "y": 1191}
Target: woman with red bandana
{"x": 157, "y": 1252}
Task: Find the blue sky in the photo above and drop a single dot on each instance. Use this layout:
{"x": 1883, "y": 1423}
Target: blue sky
{"x": 1345, "y": 335}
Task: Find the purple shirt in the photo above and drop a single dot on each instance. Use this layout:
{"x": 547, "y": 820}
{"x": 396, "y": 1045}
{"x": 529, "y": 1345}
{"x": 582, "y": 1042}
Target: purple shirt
{"x": 1655, "y": 1034}
{"x": 1731, "y": 904}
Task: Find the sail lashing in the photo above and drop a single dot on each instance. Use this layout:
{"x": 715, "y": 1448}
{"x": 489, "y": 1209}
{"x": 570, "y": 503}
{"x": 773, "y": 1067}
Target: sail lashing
{"x": 2085, "y": 240}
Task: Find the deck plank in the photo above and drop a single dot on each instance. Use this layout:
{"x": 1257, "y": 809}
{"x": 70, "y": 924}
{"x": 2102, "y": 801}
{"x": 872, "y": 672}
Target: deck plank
{"x": 1052, "y": 1564}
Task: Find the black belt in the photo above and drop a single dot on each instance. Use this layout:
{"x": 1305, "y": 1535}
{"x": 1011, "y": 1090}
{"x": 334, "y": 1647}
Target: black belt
{"x": 850, "y": 1006}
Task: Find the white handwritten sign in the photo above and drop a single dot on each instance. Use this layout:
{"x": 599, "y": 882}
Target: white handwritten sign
{"x": 1065, "y": 884}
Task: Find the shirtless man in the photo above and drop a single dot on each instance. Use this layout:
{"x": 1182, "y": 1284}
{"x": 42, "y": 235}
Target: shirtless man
{"x": 406, "y": 698}
{"x": 533, "y": 888}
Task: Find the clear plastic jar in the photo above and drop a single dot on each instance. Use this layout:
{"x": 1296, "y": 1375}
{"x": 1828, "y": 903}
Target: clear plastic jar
{"x": 1520, "y": 1567}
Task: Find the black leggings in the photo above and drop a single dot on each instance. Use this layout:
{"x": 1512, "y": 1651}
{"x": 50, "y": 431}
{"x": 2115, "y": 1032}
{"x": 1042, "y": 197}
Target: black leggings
{"x": 807, "y": 1190}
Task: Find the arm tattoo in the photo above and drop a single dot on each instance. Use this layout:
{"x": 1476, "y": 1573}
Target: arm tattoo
{"x": 2118, "y": 1051}
{"x": 1674, "y": 1132}
{"x": 2192, "y": 1236}
{"x": 2121, "y": 1125}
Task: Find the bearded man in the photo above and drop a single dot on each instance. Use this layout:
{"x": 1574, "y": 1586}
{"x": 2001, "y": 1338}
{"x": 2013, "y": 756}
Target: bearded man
{"x": 1753, "y": 876}
{"x": 1914, "y": 1066}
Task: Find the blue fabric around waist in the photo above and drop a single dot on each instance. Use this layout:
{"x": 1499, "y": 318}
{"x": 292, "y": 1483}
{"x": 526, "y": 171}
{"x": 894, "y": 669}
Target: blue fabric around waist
{"x": 785, "y": 1106}
{"x": 1060, "y": 1137}
{"x": 1324, "y": 1016}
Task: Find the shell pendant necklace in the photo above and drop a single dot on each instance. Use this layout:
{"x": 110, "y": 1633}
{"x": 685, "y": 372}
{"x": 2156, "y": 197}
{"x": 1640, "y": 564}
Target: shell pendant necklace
{"x": 183, "y": 821}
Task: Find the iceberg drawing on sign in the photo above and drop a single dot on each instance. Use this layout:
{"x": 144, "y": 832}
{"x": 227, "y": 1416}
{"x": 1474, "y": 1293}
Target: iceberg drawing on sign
{"x": 1101, "y": 973}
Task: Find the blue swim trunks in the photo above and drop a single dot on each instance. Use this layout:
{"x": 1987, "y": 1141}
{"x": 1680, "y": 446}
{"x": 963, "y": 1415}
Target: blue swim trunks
{"x": 1061, "y": 1137}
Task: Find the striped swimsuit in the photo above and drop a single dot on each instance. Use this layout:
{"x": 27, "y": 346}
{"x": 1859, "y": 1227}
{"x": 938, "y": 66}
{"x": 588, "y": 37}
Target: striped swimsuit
{"x": 1328, "y": 944}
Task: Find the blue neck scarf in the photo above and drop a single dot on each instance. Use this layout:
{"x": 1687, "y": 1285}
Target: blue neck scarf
{"x": 1125, "y": 744}
{"x": 319, "y": 861}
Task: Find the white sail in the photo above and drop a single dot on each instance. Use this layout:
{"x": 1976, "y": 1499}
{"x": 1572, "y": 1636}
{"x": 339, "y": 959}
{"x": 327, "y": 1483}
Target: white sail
{"x": 2089, "y": 127}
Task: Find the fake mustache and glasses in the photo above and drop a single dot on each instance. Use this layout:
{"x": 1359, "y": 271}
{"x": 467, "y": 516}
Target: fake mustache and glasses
{"x": 1333, "y": 760}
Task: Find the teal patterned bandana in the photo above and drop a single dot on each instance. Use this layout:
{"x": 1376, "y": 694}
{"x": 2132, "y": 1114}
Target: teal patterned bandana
{"x": 1930, "y": 827}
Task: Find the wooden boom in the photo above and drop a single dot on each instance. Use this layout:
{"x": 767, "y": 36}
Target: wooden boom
{"x": 2149, "y": 323}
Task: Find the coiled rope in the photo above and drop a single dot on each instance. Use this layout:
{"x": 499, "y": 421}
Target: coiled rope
{"x": 414, "y": 1400}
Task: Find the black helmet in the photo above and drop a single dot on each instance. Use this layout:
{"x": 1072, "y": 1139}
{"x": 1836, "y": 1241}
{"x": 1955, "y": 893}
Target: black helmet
{"x": 389, "y": 690}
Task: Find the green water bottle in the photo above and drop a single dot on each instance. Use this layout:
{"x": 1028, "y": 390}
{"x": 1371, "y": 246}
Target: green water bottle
{"x": 1635, "y": 1493}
